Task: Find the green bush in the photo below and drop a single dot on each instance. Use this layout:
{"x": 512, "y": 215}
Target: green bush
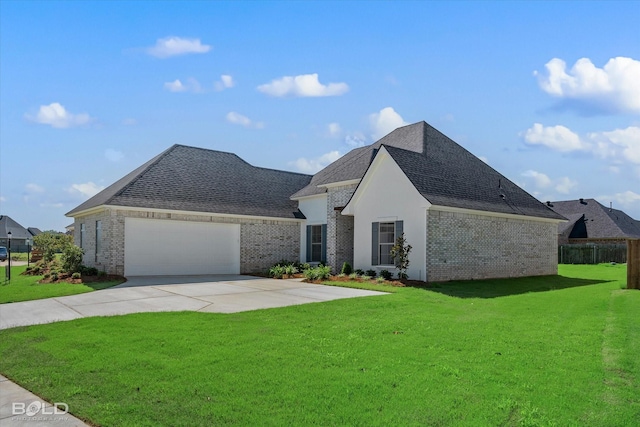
{"x": 365, "y": 278}
{"x": 277, "y": 271}
{"x": 76, "y": 275}
{"x": 71, "y": 259}
{"x": 359, "y": 271}
{"x": 386, "y": 275}
{"x": 290, "y": 270}
{"x": 54, "y": 277}
{"x": 371, "y": 273}
{"x": 102, "y": 273}
{"x": 346, "y": 268}
{"x": 320, "y": 272}
{"x": 353, "y": 276}
{"x": 88, "y": 271}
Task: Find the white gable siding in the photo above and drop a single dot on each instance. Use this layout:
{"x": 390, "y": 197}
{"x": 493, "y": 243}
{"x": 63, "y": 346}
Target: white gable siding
{"x": 386, "y": 194}
{"x": 315, "y": 209}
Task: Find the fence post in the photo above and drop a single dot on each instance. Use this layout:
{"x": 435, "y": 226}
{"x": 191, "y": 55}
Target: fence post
{"x": 633, "y": 264}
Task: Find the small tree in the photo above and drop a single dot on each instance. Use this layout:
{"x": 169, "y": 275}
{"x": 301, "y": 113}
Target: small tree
{"x": 400, "y": 254}
{"x": 50, "y": 242}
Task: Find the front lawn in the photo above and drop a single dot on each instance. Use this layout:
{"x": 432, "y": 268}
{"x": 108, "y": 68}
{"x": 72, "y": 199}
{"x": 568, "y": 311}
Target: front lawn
{"x": 27, "y": 288}
{"x": 543, "y": 351}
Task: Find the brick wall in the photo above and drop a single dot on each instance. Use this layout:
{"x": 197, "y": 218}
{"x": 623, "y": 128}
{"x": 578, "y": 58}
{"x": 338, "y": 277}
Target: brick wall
{"x": 339, "y": 227}
{"x": 464, "y": 246}
{"x": 263, "y": 242}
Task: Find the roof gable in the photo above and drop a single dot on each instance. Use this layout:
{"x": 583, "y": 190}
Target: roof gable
{"x": 201, "y": 180}
{"x": 7, "y": 224}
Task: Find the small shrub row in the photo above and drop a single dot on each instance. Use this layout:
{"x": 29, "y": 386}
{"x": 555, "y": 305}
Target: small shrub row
{"x": 279, "y": 271}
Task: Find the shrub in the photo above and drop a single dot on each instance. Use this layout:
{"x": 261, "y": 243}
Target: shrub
{"x": 304, "y": 267}
{"x": 290, "y": 269}
{"x": 346, "y": 268}
{"x": 46, "y": 276}
{"x": 277, "y": 271}
{"x": 380, "y": 280}
{"x": 359, "y": 272}
{"x": 102, "y": 273}
{"x": 51, "y": 242}
{"x": 88, "y": 271}
{"x": 371, "y": 273}
{"x": 366, "y": 278}
{"x": 76, "y": 275}
{"x": 37, "y": 270}
{"x": 318, "y": 273}
{"x": 353, "y": 276}
{"x": 72, "y": 259}
{"x": 386, "y": 275}
{"x": 54, "y": 277}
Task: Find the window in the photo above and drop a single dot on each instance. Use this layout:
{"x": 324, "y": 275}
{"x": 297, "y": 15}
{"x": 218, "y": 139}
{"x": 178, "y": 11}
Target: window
{"x": 383, "y": 237}
{"x": 317, "y": 243}
{"x": 82, "y": 231}
{"x": 387, "y": 238}
{"x": 98, "y": 238}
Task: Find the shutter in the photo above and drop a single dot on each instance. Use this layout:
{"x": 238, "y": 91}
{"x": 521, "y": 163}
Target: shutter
{"x": 375, "y": 227}
{"x": 399, "y": 229}
{"x": 324, "y": 244}
{"x": 308, "y": 243}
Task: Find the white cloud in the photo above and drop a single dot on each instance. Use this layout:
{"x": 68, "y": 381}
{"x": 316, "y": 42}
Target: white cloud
{"x": 191, "y": 85}
{"x": 3, "y": 199}
{"x": 312, "y": 166}
{"x": 88, "y": 189}
{"x": 540, "y": 179}
{"x": 174, "y": 46}
{"x": 34, "y": 188}
{"x": 619, "y": 143}
{"x": 334, "y": 130}
{"x": 564, "y": 185}
{"x": 557, "y": 138}
{"x": 627, "y": 200}
{"x": 113, "y": 155}
{"x": 175, "y": 86}
{"x": 355, "y": 140}
{"x": 58, "y": 117}
{"x": 225, "y": 82}
{"x": 385, "y": 121}
{"x": 303, "y": 85}
{"x": 239, "y": 119}
{"x": 613, "y": 88}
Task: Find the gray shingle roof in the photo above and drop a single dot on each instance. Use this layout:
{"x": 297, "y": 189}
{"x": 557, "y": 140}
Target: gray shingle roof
{"x": 443, "y": 172}
{"x": 600, "y": 221}
{"x": 354, "y": 164}
{"x": 201, "y": 180}
{"x": 17, "y": 231}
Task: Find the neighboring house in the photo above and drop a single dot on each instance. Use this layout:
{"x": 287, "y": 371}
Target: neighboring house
{"x": 20, "y": 236}
{"x": 197, "y": 211}
{"x": 34, "y": 231}
{"x": 592, "y": 222}
{"x": 69, "y": 229}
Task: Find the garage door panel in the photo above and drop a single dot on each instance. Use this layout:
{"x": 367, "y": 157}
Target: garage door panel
{"x": 166, "y": 247}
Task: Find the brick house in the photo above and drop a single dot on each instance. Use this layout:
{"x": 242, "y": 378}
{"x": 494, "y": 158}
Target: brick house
{"x": 197, "y": 211}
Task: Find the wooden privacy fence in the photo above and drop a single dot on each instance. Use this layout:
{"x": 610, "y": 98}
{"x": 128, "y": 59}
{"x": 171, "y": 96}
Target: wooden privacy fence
{"x": 633, "y": 264}
{"x": 592, "y": 253}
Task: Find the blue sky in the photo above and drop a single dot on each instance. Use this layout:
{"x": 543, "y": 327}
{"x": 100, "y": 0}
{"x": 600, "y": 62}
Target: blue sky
{"x": 547, "y": 93}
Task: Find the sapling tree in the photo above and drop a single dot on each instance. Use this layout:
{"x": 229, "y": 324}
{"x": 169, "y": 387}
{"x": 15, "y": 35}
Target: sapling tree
{"x": 400, "y": 254}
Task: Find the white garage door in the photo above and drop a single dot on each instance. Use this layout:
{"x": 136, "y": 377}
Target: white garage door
{"x": 155, "y": 247}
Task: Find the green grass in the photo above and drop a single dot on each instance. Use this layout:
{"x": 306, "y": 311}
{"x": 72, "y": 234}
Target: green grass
{"x": 27, "y": 288}
{"x": 550, "y": 351}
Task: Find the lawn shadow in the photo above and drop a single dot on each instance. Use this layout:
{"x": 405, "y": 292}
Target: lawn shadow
{"x": 494, "y": 288}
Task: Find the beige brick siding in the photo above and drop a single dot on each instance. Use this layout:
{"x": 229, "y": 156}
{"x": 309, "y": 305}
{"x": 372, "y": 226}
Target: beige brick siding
{"x": 463, "y": 246}
{"x": 263, "y": 242}
{"x": 339, "y": 227}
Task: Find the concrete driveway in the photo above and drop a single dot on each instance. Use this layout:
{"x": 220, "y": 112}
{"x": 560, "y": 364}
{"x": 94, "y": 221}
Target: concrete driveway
{"x": 209, "y": 294}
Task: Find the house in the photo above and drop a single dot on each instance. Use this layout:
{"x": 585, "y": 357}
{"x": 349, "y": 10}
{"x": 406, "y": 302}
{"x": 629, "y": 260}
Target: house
{"x": 20, "y": 236}
{"x": 592, "y": 222}
{"x": 197, "y": 211}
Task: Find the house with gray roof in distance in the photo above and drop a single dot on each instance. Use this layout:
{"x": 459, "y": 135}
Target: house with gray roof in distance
{"x": 592, "y": 222}
{"x": 197, "y": 211}
{"x": 20, "y": 236}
